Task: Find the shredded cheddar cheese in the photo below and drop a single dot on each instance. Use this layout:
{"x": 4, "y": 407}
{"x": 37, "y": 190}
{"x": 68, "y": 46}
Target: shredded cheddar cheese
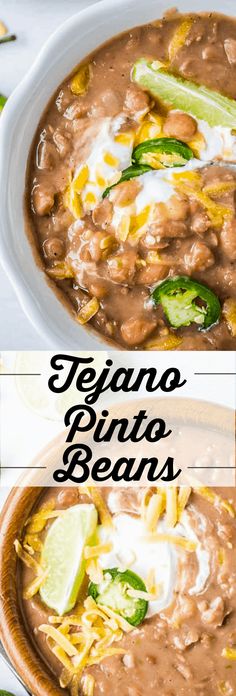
{"x": 81, "y": 179}
{"x": 138, "y": 222}
{"x": 229, "y": 653}
{"x": 72, "y": 201}
{"x": 170, "y": 342}
{"x": 3, "y": 29}
{"x": 219, "y": 188}
{"x": 183, "y": 498}
{"x": 90, "y": 198}
{"x": 26, "y": 558}
{"x": 88, "y": 311}
{"x": 179, "y": 38}
{"x": 186, "y": 544}
{"x": 148, "y": 596}
{"x": 80, "y": 81}
{"x": 88, "y": 683}
{"x": 150, "y": 582}
{"x": 34, "y": 586}
{"x": 93, "y": 631}
{"x": 98, "y": 628}
{"x": 59, "y": 638}
{"x": 229, "y": 313}
{"x": 38, "y": 521}
{"x": 123, "y": 228}
{"x": 32, "y": 543}
{"x": 190, "y": 183}
{"x": 94, "y": 570}
{"x": 124, "y": 138}
{"x": 99, "y": 502}
{"x": 93, "y": 551}
{"x": 111, "y": 160}
{"x": 170, "y": 500}
{"x": 171, "y": 506}
{"x": 155, "y": 508}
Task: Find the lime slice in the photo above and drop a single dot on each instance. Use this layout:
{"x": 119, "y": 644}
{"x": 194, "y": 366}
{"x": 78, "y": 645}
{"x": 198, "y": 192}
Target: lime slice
{"x": 182, "y": 94}
{"x": 33, "y": 390}
{"x": 62, "y": 556}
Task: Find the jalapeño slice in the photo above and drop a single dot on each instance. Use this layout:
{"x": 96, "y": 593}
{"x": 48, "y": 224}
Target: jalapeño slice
{"x": 162, "y": 152}
{"x": 185, "y": 301}
{"x": 113, "y": 592}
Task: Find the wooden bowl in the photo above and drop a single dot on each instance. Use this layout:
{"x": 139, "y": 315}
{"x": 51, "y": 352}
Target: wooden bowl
{"x": 14, "y": 635}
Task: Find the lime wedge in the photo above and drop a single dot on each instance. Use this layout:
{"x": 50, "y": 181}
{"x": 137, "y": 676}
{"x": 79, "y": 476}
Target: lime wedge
{"x": 182, "y": 94}
{"x": 62, "y": 556}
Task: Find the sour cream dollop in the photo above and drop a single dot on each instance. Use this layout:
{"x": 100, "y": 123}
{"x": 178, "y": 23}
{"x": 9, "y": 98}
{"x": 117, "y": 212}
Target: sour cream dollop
{"x": 131, "y": 549}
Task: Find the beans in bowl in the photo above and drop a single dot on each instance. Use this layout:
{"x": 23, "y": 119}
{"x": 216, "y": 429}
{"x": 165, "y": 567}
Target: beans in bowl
{"x": 132, "y": 591}
{"x": 130, "y": 190}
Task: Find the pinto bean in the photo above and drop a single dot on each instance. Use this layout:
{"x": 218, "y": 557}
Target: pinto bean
{"x": 213, "y": 613}
{"x": 228, "y": 239}
{"x": 54, "y": 248}
{"x": 171, "y": 229}
{"x": 68, "y": 497}
{"x": 128, "y": 660}
{"x": 212, "y": 239}
{"x": 151, "y": 274}
{"x": 62, "y": 143}
{"x": 177, "y": 229}
{"x": 200, "y": 223}
{"x": 178, "y": 208}
{"x": 102, "y": 214}
{"x": 62, "y": 219}
{"x": 230, "y": 50}
{"x": 62, "y": 101}
{"x": 136, "y": 101}
{"x": 43, "y": 201}
{"x": 121, "y": 267}
{"x": 125, "y": 193}
{"x": 188, "y": 67}
{"x": 75, "y": 110}
{"x": 110, "y": 100}
{"x": 180, "y": 125}
{"x": 107, "y": 104}
{"x": 98, "y": 289}
{"x": 135, "y": 331}
{"x": 199, "y": 258}
{"x": 161, "y": 213}
{"x": 96, "y": 248}
{"x": 210, "y": 53}
{"x": 150, "y": 242}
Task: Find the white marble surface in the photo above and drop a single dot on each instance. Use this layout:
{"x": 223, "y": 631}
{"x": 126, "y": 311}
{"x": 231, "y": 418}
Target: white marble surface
{"x": 32, "y": 21}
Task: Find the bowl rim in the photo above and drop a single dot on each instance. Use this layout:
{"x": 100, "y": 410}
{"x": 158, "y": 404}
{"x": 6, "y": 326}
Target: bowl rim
{"x": 15, "y": 638}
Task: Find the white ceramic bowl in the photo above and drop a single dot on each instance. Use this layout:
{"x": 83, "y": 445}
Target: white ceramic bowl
{"x": 77, "y": 37}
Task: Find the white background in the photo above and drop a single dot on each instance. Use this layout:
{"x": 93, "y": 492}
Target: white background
{"x": 32, "y": 21}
